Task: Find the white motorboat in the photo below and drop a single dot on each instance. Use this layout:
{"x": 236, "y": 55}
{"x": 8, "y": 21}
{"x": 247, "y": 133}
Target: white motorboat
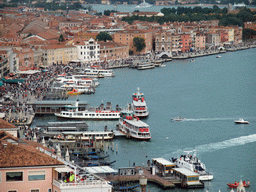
{"x": 132, "y": 126}
{"x": 143, "y": 5}
{"x": 218, "y": 56}
{"x": 241, "y": 121}
{"x": 178, "y": 119}
{"x": 192, "y": 163}
{"x": 72, "y": 112}
{"x": 192, "y": 60}
{"x": 139, "y": 105}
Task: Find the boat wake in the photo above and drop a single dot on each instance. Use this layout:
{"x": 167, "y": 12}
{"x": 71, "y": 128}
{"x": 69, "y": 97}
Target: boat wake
{"x": 210, "y": 119}
{"x": 222, "y": 145}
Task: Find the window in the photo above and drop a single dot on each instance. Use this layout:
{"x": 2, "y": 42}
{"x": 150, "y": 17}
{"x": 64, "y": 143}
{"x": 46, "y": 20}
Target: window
{"x": 49, "y": 190}
{"x": 34, "y": 190}
{"x": 14, "y": 176}
{"x": 12, "y": 191}
{"x": 0, "y": 177}
{"x": 36, "y": 175}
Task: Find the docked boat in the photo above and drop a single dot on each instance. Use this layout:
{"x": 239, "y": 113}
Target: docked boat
{"x": 13, "y": 80}
{"x": 145, "y": 65}
{"x": 101, "y": 72}
{"x": 139, "y": 105}
{"x": 178, "y": 119}
{"x": 86, "y": 135}
{"x": 192, "y": 60}
{"x": 132, "y": 126}
{"x": 192, "y": 163}
{"x": 74, "y": 92}
{"x": 241, "y": 121}
{"x": 72, "y": 112}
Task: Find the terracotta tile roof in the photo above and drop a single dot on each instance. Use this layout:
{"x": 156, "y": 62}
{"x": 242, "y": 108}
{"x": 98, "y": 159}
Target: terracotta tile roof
{"x": 22, "y": 153}
{"x": 5, "y": 124}
{"x": 110, "y": 44}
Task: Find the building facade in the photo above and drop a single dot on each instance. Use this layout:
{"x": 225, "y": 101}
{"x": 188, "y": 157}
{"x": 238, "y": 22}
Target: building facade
{"x": 113, "y": 51}
{"x": 59, "y": 54}
{"x": 88, "y": 51}
{"x": 126, "y": 37}
{"x": 163, "y": 42}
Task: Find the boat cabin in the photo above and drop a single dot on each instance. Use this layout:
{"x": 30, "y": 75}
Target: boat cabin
{"x": 138, "y": 96}
{"x": 86, "y": 136}
{"x": 162, "y": 166}
{"x": 189, "y": 179}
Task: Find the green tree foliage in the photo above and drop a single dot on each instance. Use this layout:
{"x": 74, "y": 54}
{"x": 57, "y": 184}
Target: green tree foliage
{"x": 107, "y": 12}
{"x": 248, "y": 34}
{"x": 103, "y": 36}
{"x": 139, "y": 43}
{"x": 61, "y": 38}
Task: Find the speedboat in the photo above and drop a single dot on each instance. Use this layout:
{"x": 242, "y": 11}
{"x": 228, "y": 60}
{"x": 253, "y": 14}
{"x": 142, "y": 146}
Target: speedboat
{"x": 241, "y": 121}
{"x": 178, "y": 119}
{"x": 192, "y": 60}
{"x": 192, "y": 163}
{"x": 218, "y": 56}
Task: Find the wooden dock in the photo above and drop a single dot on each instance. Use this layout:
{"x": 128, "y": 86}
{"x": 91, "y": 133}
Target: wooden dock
{"x": 164, "y": 183}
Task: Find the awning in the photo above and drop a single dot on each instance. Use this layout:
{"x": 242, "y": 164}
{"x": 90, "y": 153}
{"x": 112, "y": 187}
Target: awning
{"x": 64, "y": 170}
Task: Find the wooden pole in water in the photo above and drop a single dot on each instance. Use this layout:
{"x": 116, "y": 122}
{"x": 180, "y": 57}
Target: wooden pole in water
{"x": 116, "y": 148}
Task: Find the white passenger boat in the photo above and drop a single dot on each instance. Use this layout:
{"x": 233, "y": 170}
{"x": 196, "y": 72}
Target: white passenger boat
{"x": 104, "y": 72}
{"x": 77, "y": 79}
{"x": 241, "y": 121}
{"x": 132, "y": 127}
{"x": 139, "y": 105}
{"x": 143, "y": 5}
{"x": 86, "y": 135}
{"x": 145, "y": 65}
{"x": 218, "y": 56}
{"x": 72, "y": 112}
{"x": 192, "y": 163}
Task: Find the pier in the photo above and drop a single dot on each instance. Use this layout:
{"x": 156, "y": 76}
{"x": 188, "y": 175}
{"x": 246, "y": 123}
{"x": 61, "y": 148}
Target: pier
{"x": 161, "y": 181}
{"x": 51, "y": 107}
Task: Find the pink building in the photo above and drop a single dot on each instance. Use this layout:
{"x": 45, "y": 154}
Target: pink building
{"x": 26, "y": 166}
{"x": 200, "y": 41}
{"x": 23, "y": 168}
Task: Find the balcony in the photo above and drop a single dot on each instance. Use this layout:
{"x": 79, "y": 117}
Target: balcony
{"x": 81, "y": 185}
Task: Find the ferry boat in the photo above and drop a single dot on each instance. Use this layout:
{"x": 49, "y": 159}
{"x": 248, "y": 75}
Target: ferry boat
{"x": 192, "y": 163}
{"x": 72, "y": 112}
{"x": 87, "y": 135}
{"x": 78, "y": 79}
{"x": 145, "y": 65}
{"x": 241, "y": 121}
{"x": 139, "y": 105}
{"x": 132, "y": 126}
{"x": 104, "y": 72}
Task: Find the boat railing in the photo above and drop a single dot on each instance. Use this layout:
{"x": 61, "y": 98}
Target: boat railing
{"x": 79, "y": 184}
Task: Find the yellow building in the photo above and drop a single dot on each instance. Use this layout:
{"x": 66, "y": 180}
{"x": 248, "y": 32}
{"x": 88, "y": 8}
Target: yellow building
{"x": 59, "y": 54}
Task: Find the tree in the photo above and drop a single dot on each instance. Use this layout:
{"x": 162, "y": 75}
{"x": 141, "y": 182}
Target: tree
{"x": 61, "y": 38}
{"x": 139, "y": 43}
{"x": 103, "y": 36}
